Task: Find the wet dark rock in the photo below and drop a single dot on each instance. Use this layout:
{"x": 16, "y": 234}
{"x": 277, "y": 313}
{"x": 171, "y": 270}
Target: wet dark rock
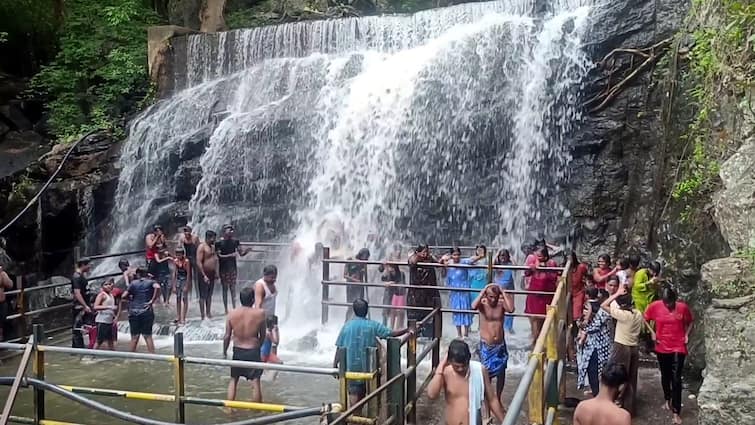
{"x": 14, "y": 115}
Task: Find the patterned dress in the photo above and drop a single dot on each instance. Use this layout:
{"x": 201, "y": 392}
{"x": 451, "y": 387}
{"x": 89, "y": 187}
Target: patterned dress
{"x": 598, "y": 339}
{"x": 459, "y": 300}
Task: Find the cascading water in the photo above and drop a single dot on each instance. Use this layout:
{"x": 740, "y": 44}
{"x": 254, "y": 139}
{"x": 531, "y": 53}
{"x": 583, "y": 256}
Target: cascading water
{"x": 445, "y": 125}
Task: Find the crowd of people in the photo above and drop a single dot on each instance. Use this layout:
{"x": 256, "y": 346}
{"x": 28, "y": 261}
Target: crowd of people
{"x": 614, "y": 309}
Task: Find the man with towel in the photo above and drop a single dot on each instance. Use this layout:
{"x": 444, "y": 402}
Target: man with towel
{"x": 493, "y": 304}
{"x": 466, "y": 385}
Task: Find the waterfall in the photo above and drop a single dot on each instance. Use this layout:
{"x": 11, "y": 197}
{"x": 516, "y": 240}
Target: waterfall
{"x": 445, "y": 125}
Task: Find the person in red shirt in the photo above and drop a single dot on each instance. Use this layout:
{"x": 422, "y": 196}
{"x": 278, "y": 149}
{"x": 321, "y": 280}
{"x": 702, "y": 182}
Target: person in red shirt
{"x": 539, "y": 280}
{"x": 673, "y": 323}
{"x": 601, "y": 273}
{"x": 579, "y": 272}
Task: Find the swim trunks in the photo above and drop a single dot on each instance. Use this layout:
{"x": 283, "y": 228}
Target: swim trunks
{"x": 247, "y": 355}
{"x": 181, "y": 293}
{"x": 494, "y": 357}
{"x": 206, "y": 288}
{"x": 228, "y": 277}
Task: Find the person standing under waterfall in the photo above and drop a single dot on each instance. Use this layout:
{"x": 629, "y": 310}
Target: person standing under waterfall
{"x": 356, "y": 273}
{"x": 181, "y": 284}
{"x": 81, "y": 309}
{"x": 246, "y": 327}
{"x": 673, "y": 323}
{"x": 417, "y": 296}
{"x": 227, "y": 248}
{"x": 466, "y": 386}
{"x": 162, "y": 273}
{"x": 493, "y": 305}
{"x": 265, "y": 298}
{"x": 505, "y": 279}
{"x": 457, "y": 277}
{"x": 151, "y": 242}
{"x": 208, "y": 266}
{"x": 478, "y": 278}
{"x": 542, "y": 281}
{"x": 141, "y": 295}
{"x": 191, "y": 243}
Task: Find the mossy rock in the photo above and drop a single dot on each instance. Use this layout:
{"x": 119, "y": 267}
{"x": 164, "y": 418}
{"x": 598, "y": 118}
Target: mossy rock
{"x": 730, "y": 277}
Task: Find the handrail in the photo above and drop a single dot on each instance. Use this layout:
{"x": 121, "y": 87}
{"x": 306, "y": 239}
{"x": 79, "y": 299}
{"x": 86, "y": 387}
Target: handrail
{"x": 440, "y": 288}
{"x": 439, "y": 265}
{"x": 361, "y": 403}
{"x": 16, "y": 384}
{"x": 442, "y": 310}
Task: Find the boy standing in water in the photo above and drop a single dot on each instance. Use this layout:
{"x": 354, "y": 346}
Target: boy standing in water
{"x": 207, "y": 262}
{"x": 181, "y": 284}
{"x": 466, "y": 385}
{"x": 107, "y": 312}
{"x": 246, "y": 326}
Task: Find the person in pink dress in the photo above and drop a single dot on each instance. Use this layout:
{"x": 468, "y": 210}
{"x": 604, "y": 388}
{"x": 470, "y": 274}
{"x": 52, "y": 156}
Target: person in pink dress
{"x": 539, "y": 280}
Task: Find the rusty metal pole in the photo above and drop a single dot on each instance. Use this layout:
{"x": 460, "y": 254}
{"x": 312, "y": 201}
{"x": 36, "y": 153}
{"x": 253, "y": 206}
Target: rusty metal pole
{"x": 411, "y": 380}
{"x": 325, "y": 286}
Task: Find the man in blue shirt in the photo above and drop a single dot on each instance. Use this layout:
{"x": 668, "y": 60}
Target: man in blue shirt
{"x": 356, "y": 336}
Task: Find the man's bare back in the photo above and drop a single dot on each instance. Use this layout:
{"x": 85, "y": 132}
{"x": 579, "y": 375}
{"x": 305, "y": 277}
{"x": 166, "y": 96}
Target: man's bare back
{"x": 600, "y": 411}
{"x": 247, "y": 326}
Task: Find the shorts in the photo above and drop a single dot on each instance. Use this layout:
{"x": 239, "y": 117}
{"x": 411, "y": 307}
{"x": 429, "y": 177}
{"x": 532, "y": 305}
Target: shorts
{"x": 357, "y": 388}
{"x": 141, "y": 324}
{"x": 247, "y": 355}
{"x": 181, "y": 289}
{"x": 206, "y": 288}
{"x": 228, "y": 277}
{"x": 398, "y": 301}
{"x": 105, "y": 332}
{"x": 495, "y": 358}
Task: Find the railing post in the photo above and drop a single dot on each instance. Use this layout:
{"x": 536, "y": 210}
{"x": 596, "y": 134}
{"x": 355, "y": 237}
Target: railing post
{"x": 396, "y": 390}
{"x": 38, "y": 368}
{"x": 343, "y": 386}
{"x": 437, "y": 333}
{"x": 535, "y": 394}
{"x": 373, "y": 406}
{"x": 411, "y": 380}
{"x": 325, "y": 286}
{"x": 179, "y": 375}
{"x": 21, "y": 304}
{"x": 490, "y": 267}
{"x": 550, "y": 334}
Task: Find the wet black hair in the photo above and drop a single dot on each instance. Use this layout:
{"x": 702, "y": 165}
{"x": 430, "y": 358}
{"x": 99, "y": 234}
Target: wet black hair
{"x": 246, "y": 296}
{"x": 157, "y": 227}
{"x": 123, "y": 264}
{"x": 634, "y": 261}
{"x": 484, "y": 249}
{"x": 421, "y": 247}
{"x": 506, "y": 253}
{"x": 141, "y": 272}
{"x": 669, "y": 296}
{"x": 270, "y": 270}
{"x": 655, "y": 267}
{"x": 363, "y": 254}
{"x": 624, "y": 263}
{"x": 592, "y": 293}
{"x": 455, "y": 250}
{"x": 271, "y": 322}
{"x": 458, "y": 352}
{"x": 228, "y": 227}
{"x": 210, "y": 234}
{"x": 543, "y": 250}
{"x": 625, "y": 301}
{"x": 360, "y": 307}
{"x": 84, "y": 261}
{"x": 606, "y": 258}
{"x": 614, "y": 375}
{"x": 613, "y": 278}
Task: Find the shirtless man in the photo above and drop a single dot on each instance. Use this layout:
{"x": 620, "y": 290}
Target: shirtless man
{"x": 5, "y": 283}
{"x": 246, "y": 325}
{"x": 492, "y": 303}
{"x": 207, "y": 262}
{"x": 601, "y": 410}
{"x": 456, "y": 382}
{"x": 226, "y": 250}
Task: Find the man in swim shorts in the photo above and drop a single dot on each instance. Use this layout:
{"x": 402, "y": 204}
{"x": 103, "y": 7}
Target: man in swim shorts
{"x": 207, "y": 261}
{"x": 493, "y": 304}
{"x": 246, "y": 325}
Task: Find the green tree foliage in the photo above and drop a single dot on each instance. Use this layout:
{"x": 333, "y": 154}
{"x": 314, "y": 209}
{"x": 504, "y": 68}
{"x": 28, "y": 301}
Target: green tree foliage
{"x": 100, "y": 70}
{"x": 28, "y": 32}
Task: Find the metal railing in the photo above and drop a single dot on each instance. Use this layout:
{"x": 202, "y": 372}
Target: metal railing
{"x": 36, "y": 352}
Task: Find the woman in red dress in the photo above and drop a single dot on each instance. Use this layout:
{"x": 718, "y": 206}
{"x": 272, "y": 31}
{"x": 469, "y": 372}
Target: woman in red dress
{"x": 601, "y": 274}
{"x": 539, "y": 280}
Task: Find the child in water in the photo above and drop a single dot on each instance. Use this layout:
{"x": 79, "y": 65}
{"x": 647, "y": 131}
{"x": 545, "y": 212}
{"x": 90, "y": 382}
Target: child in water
{"x": 269, "y": 349}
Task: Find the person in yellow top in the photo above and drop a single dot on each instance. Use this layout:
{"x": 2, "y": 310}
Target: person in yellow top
{"x": 644, "y": 283}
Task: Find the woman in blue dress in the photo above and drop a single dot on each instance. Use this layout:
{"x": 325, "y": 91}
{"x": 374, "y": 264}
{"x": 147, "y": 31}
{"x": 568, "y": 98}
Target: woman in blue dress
{"x": 457, "y": 277}
{"x": 505, "y": 279}
{"x": 478, "y": 278}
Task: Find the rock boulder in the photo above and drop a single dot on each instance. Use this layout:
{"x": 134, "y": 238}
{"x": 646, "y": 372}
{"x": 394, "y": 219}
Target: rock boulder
{"x": 735, "y": 203}
{"x": 729, "y": 386}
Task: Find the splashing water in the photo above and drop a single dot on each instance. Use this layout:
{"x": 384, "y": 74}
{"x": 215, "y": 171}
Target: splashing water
{"x": 446, "y": 125}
